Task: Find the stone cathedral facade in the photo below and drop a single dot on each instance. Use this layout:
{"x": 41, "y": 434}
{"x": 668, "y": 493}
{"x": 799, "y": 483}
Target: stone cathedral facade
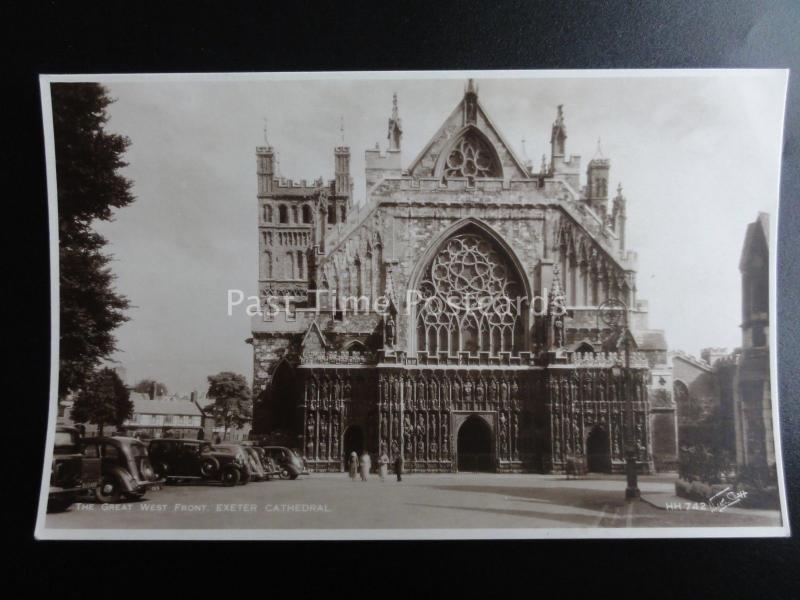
{"x": 424, "y": 321}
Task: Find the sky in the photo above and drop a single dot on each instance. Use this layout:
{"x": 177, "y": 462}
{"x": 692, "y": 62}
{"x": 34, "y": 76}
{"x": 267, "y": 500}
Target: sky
{"x": 697, "y": 156}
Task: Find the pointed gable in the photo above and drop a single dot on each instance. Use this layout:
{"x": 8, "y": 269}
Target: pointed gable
{"x": 468, "y": 144}
{"x": 314, "y": 340}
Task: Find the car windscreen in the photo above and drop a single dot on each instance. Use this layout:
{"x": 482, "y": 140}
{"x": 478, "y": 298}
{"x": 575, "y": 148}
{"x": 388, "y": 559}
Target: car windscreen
{"x": 138, "y": 450}
{"x": 64, "y": 438}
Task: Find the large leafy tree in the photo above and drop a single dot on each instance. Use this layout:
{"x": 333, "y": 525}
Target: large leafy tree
{"x": 90, "y": 187}
{"x": 103, "y": 400}
{"x": 232, "y": 405}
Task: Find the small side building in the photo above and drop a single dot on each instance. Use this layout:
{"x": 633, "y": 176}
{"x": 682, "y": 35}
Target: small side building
{"x": 164, "y": 416}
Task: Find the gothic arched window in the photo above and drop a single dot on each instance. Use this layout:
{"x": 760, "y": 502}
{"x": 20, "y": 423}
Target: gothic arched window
{"x": 472, "y": 300}
{"x": 472, "y": 157}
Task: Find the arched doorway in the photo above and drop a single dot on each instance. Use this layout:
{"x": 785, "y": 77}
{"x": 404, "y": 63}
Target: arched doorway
{"x": 353, "y": 441}
{"x": 598, "y": 451}
{"x": 474, "y": 446}
{"x": 277, "y": 413}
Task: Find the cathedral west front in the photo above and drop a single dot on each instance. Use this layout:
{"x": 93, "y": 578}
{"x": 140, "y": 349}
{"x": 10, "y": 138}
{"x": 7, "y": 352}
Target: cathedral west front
{"x": 452, "y": 317}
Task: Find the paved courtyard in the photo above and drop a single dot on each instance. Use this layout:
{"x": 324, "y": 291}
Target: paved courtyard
{"x": 423, "y": 501}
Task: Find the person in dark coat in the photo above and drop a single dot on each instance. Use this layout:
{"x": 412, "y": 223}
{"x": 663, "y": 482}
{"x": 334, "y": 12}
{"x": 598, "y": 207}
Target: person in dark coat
{"x": 398, "y": 467}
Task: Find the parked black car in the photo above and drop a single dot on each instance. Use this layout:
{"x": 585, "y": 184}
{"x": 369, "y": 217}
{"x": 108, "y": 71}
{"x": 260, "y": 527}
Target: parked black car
{"x": 72, "y": 473}
{"x": 290, "y": 464}
{"x": 184, "y": 459}
{"x": 251, "y": 468}
{"x": 268, "y": 467}
{"x": 125, "y": 468}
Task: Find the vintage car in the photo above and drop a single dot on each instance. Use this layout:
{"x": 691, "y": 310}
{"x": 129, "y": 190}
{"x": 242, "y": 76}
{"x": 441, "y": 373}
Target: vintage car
{"x": 125, "y": 469}
{"x": 268, "y": 466}
{"x": 184, "y": 460}
{"x": 290, "y": 464}
{"x": 72, "y": 474}
{"x": 252, "y": 467}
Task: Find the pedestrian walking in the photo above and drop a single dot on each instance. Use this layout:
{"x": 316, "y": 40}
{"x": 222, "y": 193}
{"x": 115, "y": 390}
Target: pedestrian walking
{"x": 383, "y": 463}
{"x": 353, "y": 465}
{"x": 366, "y": 465}
{"x": 398, "y": 467}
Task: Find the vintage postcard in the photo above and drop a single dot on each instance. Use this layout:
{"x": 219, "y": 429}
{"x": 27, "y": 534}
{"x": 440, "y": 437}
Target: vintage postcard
{"x": 393, "y": 305}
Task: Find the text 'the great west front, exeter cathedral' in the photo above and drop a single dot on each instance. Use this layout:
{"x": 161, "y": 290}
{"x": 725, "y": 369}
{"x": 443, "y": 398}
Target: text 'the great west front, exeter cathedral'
{"x": 424, "y": 322}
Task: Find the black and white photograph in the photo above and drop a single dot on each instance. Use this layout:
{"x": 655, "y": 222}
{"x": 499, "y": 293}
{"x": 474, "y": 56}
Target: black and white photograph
{"x": 414, "y": 305}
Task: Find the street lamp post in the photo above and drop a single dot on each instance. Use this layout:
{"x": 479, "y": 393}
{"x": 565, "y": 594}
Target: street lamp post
{"x": 610, "y": 313}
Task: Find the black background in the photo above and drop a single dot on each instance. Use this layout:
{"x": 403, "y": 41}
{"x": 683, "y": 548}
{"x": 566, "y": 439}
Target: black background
{"x": 116, "y": 37}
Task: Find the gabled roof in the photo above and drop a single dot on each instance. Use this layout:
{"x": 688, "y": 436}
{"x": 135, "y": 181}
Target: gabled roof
{"x": 453, "y": 127}
{"x": 314, "y": 337}
{"x": 145, "y": 406}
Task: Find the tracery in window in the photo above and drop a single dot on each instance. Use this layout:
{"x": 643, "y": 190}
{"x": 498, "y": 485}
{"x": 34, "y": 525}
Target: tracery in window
{"x": 472, "y": 158}
{"x": 472, "y": 300}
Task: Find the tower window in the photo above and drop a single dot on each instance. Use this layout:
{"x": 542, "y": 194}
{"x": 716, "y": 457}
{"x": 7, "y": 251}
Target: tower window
{"x": 306, "y": 213}
{"x": 332, "y": 216}
{"x": 283, "y": 214}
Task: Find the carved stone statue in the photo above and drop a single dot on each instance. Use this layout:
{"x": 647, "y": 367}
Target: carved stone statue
{"x": 421, "y": 425}
{"x": 391, "y": 332}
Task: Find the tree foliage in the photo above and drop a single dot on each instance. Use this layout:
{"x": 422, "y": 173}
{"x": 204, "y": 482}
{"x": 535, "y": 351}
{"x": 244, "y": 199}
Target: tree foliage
{"x": 232, "y": 404}
{"x": 147, "y": 386}
{"x": 103, "y": 400}
{"x": 90, "y": 187}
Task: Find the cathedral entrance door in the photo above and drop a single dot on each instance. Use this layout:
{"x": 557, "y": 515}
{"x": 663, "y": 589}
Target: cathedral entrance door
{"x": 598, "y": 451}
{"x": 353, "y": 441}
{"x": 475, "y": 446}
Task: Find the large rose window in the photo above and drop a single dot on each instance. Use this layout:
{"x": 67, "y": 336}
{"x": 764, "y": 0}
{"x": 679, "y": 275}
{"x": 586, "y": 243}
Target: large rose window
{"x": 471, "y": 300}
{"x": 471, "y": 158}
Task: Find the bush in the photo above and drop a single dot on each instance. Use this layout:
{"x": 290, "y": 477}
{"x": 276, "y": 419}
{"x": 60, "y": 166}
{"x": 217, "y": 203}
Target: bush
{"x": 702, "y": 464}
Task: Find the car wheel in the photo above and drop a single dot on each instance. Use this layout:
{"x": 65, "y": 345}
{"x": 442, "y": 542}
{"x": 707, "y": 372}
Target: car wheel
{"x": 108, "y": 490}
{"x": 293, "y": 476}
{"x": 209, "y": 468}
{"x": 57, "y": 505}
{"x": 161, "y": 470}
{"x": 285, "y": 474}
{"x": 230, "y": 476}
{"x": 245, "y": 477}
